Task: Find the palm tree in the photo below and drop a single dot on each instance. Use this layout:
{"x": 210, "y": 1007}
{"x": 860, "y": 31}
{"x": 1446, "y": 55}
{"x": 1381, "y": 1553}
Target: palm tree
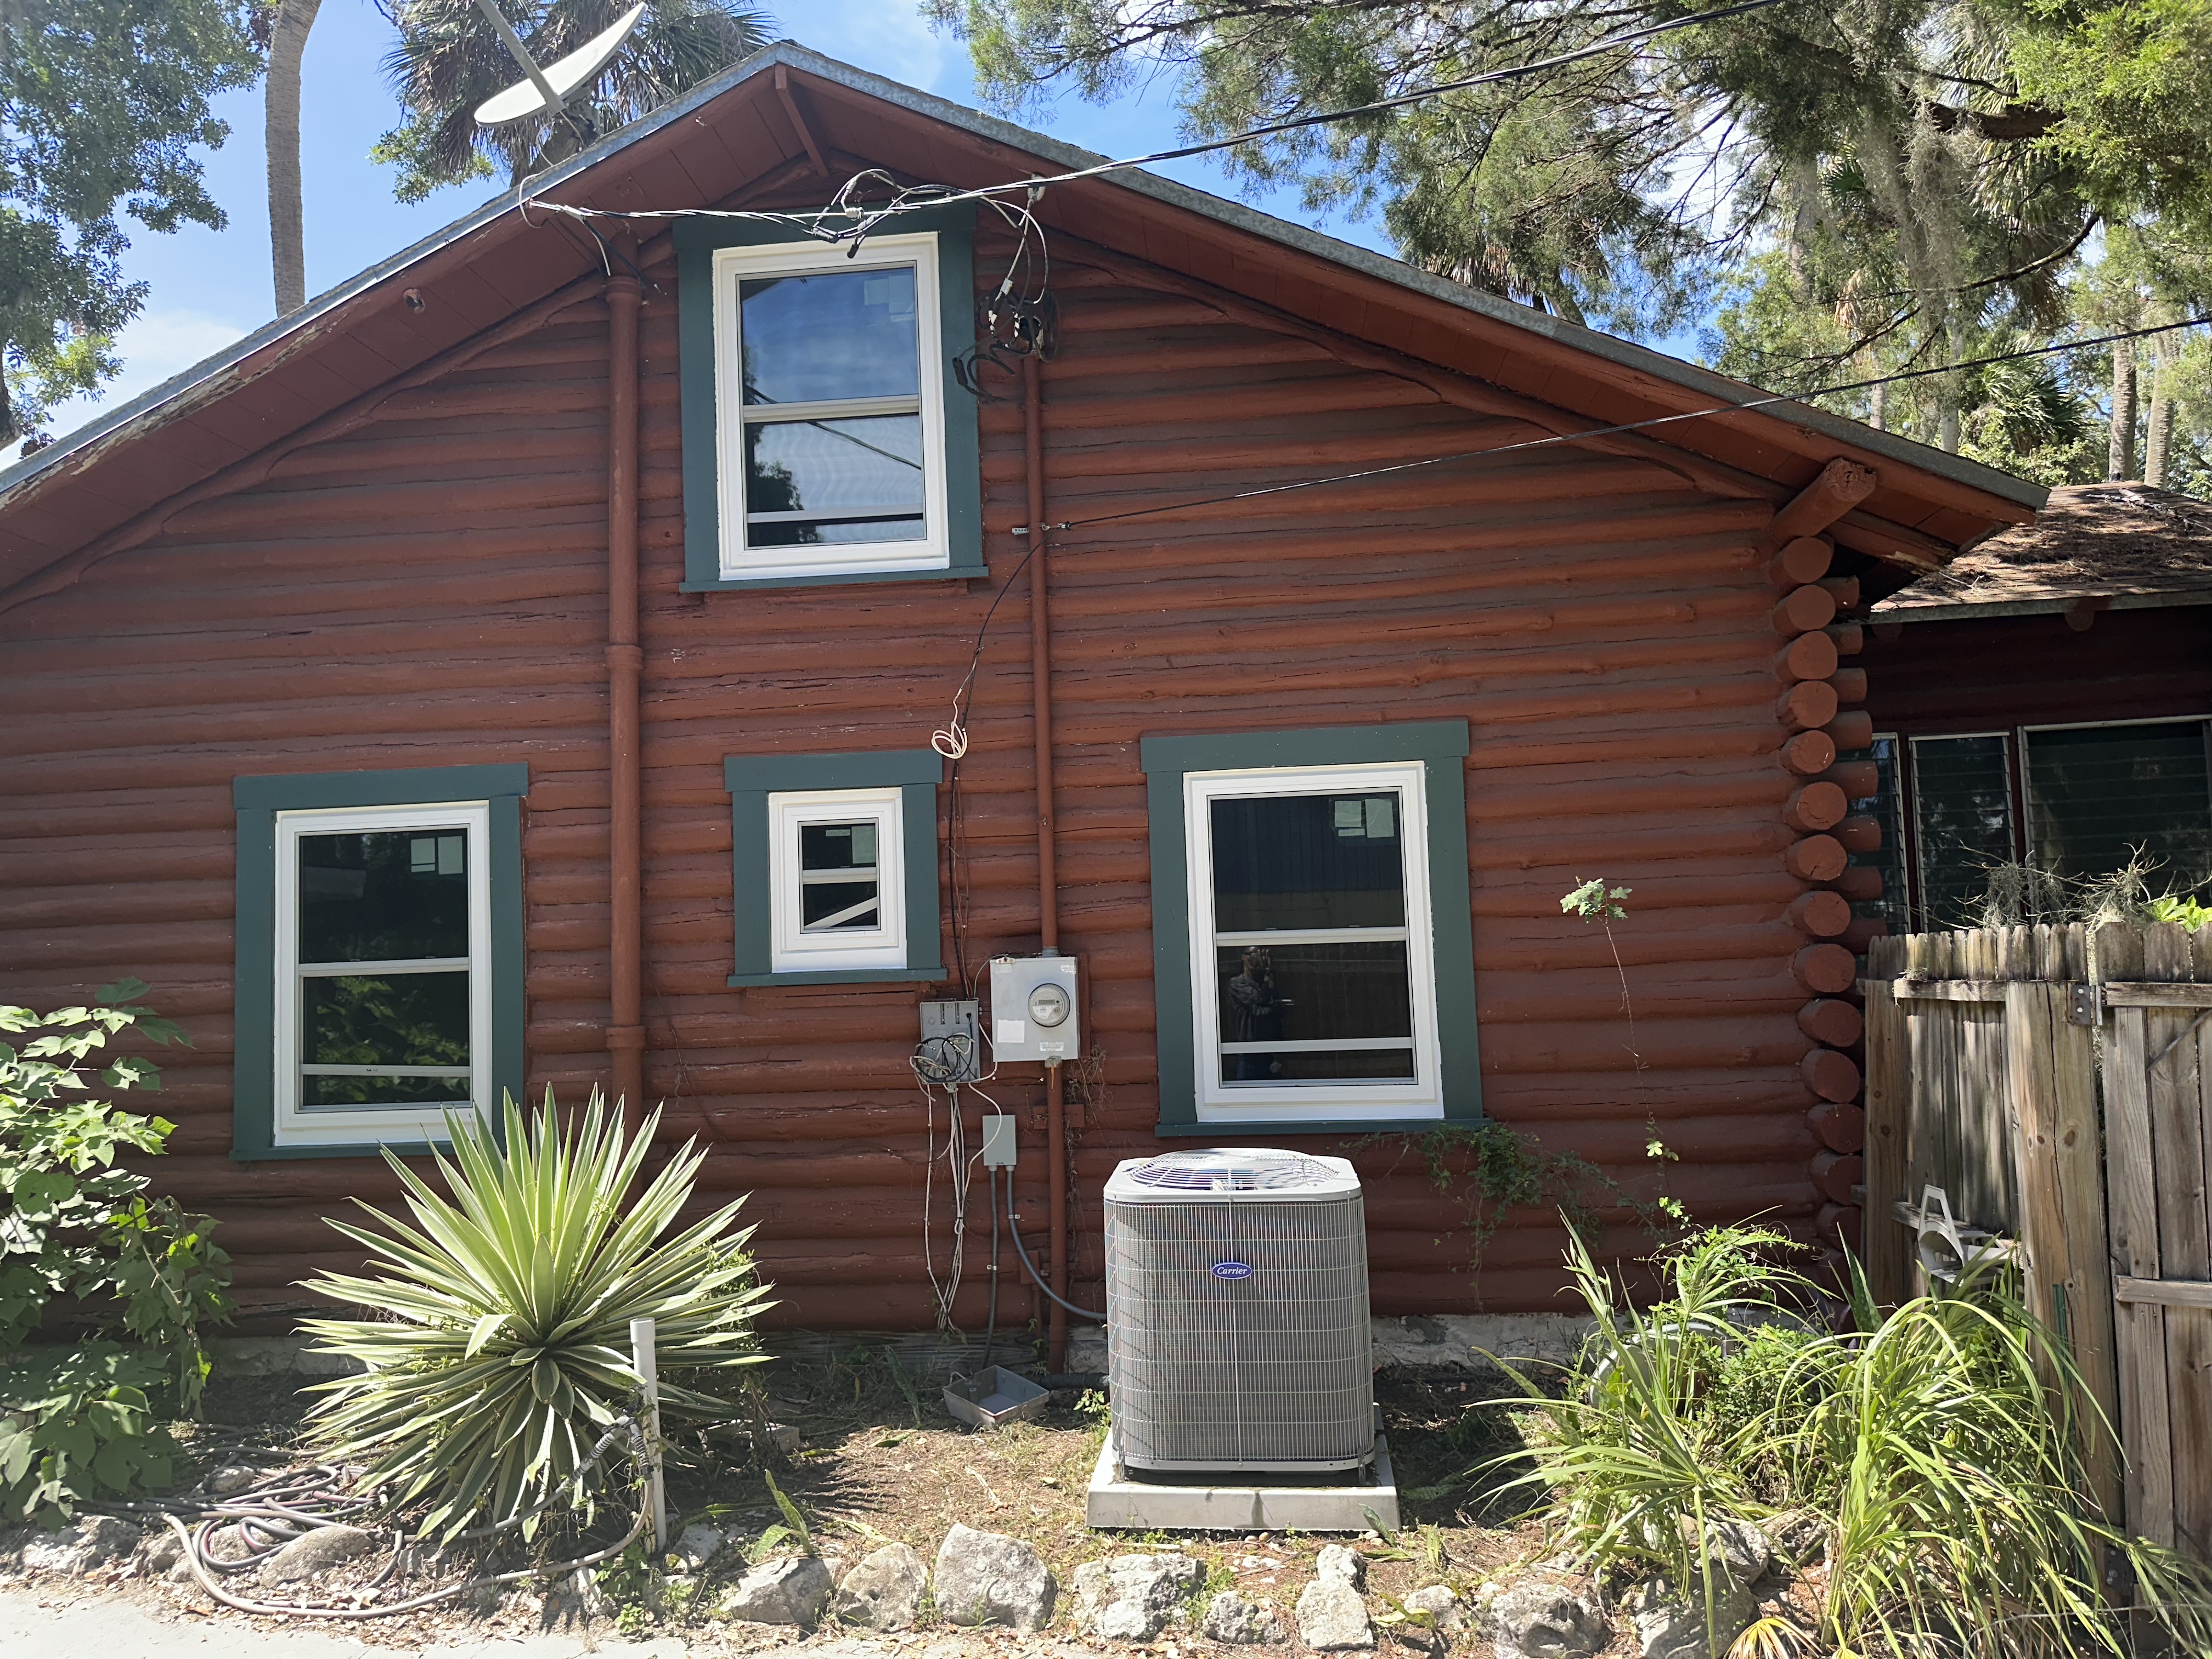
{"x": 449, "y": 60}
{"x": 286, "y": 23}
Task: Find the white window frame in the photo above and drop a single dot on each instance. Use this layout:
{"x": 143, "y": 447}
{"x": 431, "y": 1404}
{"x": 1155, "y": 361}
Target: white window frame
{"x": 296, "y": 1126}
{"x": 1329, "y": 1101}
{"x": 792, "y": 951}
{"x": 732, "y": 266}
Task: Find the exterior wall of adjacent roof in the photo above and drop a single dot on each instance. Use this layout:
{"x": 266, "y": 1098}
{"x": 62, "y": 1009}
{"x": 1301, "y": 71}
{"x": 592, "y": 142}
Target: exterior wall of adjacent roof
{"x": 424, "y": 586}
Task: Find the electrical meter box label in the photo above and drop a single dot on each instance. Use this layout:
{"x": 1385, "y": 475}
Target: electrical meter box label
{"x": 1033, "y": 1010}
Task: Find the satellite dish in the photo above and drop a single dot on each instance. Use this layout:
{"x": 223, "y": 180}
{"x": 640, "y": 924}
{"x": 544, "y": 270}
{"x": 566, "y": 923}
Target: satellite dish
{"x": 579, "y": 68}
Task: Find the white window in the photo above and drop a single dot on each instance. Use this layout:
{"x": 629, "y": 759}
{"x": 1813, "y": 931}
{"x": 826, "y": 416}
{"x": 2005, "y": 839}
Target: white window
{"x": 837, "y": 891}
{"x": 1312, "y": 956}
{"x": 383, "y": 982}
{"x": 830, "y": 408}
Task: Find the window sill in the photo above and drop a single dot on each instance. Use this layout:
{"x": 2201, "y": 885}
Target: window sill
{"x": 1340, "y": 1130}
{"x": 953, "y": 573}
{"x": 362, "y": 1148}
{"x": 930, "y": 976}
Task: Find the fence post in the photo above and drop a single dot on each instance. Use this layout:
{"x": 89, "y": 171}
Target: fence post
{"x": 2052, "y": 1079}
{"x": 647, "y": 1364}
{"x": 1888, "y": 1091}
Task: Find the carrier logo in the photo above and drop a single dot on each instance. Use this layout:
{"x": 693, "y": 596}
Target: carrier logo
{"x": 1231, "y": 1270}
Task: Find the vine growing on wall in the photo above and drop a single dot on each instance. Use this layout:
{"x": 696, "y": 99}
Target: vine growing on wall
{"x": 1492, "y": 1168}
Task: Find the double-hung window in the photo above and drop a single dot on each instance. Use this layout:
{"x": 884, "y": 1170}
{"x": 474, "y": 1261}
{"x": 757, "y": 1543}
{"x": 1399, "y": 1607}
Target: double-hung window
{"x": 1315, "y": 967}
{"x": 378, "y": 985}
{"x": 825, "y": 438}
{"x": 382, "y": 914}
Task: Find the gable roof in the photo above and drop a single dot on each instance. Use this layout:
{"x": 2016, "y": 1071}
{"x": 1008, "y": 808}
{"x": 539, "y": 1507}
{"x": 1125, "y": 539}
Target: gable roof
{"x": 406, "y": 311}
{"x": 2127, "y": 544}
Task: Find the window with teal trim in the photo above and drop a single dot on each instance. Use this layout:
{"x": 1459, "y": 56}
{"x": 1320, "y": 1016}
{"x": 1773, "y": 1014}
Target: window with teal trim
{"x": 826, "y": 438}
{"x": 379, "y": 969}
{"x": 1312, "y": 931}
{"x": 834, "y": 867}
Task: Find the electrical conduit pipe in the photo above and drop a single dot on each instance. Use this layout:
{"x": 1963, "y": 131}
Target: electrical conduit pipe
{"x": 1055, "y": 1102}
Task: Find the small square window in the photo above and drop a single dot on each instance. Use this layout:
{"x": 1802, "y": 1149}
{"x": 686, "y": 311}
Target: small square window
{"x": 836, "y": 886}
{"x": 831, "y": 408}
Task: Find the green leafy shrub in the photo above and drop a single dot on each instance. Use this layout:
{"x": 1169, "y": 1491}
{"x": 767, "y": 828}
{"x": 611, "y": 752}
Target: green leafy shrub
{"x": 1931, "y": 1443}
{"x": 81, "y": 1420}
{"x": 501, "y": 1348}
{"x": 80, "y": 1424}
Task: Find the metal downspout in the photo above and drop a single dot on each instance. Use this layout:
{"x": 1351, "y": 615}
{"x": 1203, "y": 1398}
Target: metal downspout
{"x": 625, "y": 667}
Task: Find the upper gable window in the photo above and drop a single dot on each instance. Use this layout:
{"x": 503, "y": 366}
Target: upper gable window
{"x": 831, "y": 409}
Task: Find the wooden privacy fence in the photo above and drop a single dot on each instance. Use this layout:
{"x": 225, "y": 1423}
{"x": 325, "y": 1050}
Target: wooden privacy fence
{"x": 2057, "y": 1083}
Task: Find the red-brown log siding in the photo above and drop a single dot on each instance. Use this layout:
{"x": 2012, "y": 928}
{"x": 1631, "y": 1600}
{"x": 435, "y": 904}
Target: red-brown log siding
{"x": 429, "y": 590}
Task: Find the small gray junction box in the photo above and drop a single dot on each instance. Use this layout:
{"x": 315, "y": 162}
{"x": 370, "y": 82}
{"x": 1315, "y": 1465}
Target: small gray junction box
{"x": 950, "y": 1041}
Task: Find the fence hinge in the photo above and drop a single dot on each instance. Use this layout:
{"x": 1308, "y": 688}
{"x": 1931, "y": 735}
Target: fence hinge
{"x": 2085, "y": 1003}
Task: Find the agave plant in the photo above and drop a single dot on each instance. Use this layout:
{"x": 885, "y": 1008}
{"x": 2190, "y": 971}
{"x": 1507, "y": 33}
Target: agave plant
{"x": 500, "y": 1350}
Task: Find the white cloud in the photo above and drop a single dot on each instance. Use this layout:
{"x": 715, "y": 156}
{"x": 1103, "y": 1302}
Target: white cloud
{"x": 157, "y": 344}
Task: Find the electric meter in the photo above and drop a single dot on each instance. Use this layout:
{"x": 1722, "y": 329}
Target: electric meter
{"x": 1033, "y": 1009}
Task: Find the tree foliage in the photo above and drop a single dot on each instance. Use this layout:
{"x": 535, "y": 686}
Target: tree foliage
{"x": 1838, "y": 191}
{"x": 448, "y": 60}
{"x": 101, "y": 104}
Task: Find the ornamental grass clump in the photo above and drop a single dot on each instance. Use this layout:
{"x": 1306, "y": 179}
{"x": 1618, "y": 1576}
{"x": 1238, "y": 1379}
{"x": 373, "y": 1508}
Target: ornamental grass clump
{"x": 1936, "y": 1448}
{"x": 498, "y": 1350}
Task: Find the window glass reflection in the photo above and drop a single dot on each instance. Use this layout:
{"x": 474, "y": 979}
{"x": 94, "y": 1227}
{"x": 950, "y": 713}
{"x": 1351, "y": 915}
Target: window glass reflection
{"x": 830, "y": 335}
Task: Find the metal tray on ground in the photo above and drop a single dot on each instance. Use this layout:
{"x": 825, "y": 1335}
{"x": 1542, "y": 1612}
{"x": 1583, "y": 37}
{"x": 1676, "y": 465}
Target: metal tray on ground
{"x": 994, "y": 1395}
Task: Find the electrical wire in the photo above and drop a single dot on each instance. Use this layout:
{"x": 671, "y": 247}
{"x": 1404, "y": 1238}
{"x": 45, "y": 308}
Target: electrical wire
{"x": 1552, "y": 440}
{"x": 859, "y": 223}
{"x": 1014, "y": 1233}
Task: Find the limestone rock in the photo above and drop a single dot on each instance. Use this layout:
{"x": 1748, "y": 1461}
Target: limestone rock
{"x": 1332, "y": 1619}
{"x": 1440, "y": 1603}
{"x": 319, "y": 1551}
{"x": 1230, "y": 1618}
{"x": 160, "y": 1552}
{"x": 699, "y": 1543}
{"x": 1540, "y": 1621}
{"x": 1133, "y": 1598}
{"x": 988, "y": 1578}
{"x": 1798, "y": 1539}
{"x": 1344, "y": 1565}
{"x": 1739, "y": 1549}
{"x": 230, "y": 1478}
{"x": 93, "y": 1540}
{"x": 1672, "y": 1625}
{"x": 884, "y": 1590}
{"x": 792, "y": 1592}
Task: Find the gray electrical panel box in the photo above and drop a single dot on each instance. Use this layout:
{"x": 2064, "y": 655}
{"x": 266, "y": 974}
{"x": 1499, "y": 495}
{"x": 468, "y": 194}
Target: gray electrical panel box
{"x": 950, "y": 1042}
{"x": 1033, "y": 1012}
{"x": 999, "y": 1152}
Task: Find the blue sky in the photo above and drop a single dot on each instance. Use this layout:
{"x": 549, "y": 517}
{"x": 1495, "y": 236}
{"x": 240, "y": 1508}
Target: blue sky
{"x": 207, "y": 288}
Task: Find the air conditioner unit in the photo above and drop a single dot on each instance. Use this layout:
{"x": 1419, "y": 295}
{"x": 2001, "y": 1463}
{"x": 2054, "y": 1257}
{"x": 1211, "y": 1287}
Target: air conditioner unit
{"x": 1236, "y": 1325}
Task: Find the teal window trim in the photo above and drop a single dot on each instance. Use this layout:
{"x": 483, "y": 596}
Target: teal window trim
{"x": 752, "y": 779}
{"x": 1442, "y": 748}
{"x": 696, "y": 242}
{"x": 258, "y": 800}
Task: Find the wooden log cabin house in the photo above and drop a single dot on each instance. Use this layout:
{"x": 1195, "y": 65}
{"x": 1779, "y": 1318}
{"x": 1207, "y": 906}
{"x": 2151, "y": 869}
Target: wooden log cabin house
{"x": 518, "y": 668}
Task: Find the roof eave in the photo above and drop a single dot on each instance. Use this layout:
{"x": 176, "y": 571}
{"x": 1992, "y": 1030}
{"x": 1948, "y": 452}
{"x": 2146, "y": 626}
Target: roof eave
{"x": 158, "y": 403}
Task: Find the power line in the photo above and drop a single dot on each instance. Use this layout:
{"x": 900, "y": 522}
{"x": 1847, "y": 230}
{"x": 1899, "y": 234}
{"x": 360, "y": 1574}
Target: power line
{"x": 1553, "y": 438}
{"x": 864, "y": 220}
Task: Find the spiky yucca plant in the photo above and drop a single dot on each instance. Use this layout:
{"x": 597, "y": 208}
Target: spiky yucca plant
{"x": 500, "y": 1351}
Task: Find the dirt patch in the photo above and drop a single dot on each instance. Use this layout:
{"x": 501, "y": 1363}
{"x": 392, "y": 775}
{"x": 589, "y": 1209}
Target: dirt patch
{"x": 879, "y": 1459}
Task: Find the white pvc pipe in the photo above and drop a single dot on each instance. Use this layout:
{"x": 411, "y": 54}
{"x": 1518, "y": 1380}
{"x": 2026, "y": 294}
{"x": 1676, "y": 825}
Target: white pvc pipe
{"x": 646, "y": 1365}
